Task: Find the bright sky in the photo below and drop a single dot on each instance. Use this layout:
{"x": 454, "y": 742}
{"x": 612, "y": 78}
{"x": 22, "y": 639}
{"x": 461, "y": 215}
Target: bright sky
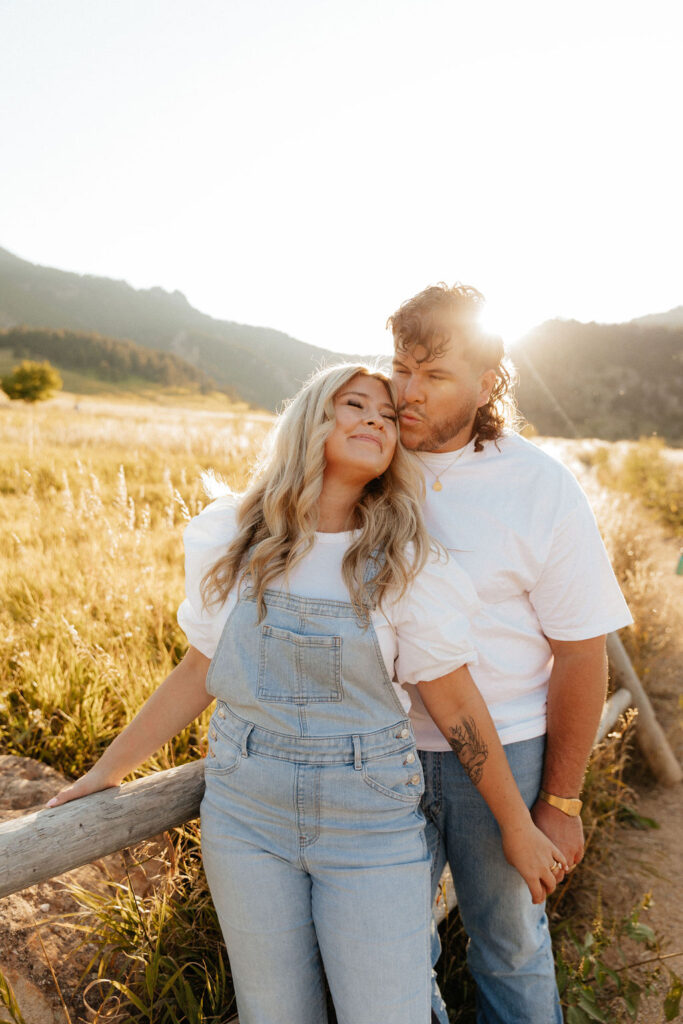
{"x": 309, "y": 164}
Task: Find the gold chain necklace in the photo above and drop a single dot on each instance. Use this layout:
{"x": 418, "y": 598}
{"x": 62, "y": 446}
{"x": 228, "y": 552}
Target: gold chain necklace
{"x": 437, "y": 485}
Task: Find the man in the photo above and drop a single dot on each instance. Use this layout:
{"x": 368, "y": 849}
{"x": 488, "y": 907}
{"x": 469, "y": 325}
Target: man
{"x": 519, "y": 523}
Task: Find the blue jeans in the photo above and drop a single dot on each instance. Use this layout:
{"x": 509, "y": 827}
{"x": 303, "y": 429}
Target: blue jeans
{"x": 509, "y": 951}
{"x": 315, "y": 853}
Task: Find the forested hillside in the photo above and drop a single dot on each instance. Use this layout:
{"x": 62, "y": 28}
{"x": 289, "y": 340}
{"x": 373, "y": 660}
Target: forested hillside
{"x": 262, "y": 365}
{"x": 608, "y": 380}
{"x": 108, "y": 359}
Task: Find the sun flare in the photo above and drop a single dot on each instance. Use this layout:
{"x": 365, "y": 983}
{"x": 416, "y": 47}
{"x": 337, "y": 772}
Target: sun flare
{"x": 510, "y": 322}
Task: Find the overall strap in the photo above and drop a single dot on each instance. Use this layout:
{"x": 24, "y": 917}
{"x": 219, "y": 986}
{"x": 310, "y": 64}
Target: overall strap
{"x": 372, "y": 567}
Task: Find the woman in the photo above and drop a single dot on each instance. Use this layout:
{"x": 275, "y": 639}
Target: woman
{"x": 302, "y": 605}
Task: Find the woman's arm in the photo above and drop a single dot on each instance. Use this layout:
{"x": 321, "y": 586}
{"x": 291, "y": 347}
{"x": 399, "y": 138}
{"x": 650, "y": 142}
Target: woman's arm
{"x": 174, "y": 704}
{"x": 458, "y": 709}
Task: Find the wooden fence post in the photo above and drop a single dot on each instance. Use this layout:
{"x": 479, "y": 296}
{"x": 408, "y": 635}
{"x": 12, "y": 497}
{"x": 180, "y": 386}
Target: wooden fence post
{"x": 649, "y": 733}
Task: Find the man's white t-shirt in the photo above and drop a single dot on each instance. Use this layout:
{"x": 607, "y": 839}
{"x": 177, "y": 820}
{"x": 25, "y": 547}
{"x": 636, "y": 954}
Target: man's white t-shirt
{"x": 422, "y": 635}
{"x": 520, "y": 525}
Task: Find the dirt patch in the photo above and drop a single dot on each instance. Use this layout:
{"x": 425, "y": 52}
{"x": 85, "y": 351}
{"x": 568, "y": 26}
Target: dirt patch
{"x": 648, "y": 860}
{"x": 651, "y": 860}
{"x": 37, "y": 930}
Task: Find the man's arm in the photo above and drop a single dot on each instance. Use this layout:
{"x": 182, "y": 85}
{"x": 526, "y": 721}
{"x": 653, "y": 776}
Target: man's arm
{"x": 576, "y": 695}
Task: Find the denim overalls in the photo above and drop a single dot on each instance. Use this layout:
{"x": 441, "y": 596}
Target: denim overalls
{"x": 312, "y": 835}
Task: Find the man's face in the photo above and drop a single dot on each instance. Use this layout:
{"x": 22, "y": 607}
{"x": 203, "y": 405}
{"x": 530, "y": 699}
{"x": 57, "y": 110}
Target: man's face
{"x": 438, "y": 398}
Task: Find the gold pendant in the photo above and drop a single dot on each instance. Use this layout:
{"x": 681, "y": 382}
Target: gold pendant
{"x": 437, "y": 485}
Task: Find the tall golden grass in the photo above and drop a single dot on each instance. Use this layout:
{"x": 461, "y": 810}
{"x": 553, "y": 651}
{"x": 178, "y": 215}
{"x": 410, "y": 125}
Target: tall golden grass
{"x": 93, "y": 500}
{"x": 92, "y": 562}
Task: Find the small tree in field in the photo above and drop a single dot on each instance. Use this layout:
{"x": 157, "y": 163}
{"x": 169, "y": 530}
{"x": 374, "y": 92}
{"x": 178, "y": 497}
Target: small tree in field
{"x": 31, "y": 382}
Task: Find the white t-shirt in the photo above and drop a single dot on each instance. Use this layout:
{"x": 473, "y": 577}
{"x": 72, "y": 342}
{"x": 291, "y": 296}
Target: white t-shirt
{"x": 423, "y": 635}
{"x": 518, "y": 522}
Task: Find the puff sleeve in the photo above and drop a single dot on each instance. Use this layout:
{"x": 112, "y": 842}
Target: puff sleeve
{"x": 206, "y": 538}
{"x": 432, "y": 622}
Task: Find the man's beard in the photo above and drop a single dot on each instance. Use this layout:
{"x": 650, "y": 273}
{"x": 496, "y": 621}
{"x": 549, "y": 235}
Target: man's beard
{"x": 441, "y": 433}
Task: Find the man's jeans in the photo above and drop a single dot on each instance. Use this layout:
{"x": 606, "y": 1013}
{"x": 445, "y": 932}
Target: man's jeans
{"x": 509, "y": 951}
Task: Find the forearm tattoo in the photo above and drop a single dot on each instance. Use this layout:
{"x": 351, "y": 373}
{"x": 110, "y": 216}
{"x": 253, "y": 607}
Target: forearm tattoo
{"x": 468, "y": 744}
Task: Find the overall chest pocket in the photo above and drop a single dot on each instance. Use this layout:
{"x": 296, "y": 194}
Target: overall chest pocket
{"x": 296, "y": 669}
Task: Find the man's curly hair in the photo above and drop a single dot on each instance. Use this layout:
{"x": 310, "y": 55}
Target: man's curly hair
{"x": 426, "y": 325}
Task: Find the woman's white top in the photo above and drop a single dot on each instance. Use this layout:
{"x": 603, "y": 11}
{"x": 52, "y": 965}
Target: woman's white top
{"x": 422, "y": 635}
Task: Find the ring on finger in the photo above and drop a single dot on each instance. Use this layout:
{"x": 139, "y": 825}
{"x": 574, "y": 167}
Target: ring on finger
{"x": 556, "y": 866}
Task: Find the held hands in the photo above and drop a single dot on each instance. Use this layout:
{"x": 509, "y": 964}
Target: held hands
{"x": 92, "y": 782}
{"x": 562, "y": 829}
{"x": 533, "y": 854}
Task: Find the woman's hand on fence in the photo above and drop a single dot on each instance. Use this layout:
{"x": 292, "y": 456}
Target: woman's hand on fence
{"x": 92, "y": 782}
{"x": 530, "y": 851}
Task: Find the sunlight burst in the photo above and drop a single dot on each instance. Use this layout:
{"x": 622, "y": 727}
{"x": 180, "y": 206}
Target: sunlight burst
{"x": 509, "y": 321}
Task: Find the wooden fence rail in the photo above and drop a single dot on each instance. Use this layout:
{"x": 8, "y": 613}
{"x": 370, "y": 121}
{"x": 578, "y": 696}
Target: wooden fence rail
{"x": 49, "y": 842}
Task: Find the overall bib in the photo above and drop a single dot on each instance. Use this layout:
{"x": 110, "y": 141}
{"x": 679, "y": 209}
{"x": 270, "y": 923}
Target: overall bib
{"x": 312, "y": 835}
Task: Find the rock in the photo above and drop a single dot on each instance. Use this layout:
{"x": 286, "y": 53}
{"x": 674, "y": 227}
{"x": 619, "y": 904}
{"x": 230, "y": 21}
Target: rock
{"x": 17, "y": 912}
{"x": 34, "y": 1006}
{"x": 26, "y": 784}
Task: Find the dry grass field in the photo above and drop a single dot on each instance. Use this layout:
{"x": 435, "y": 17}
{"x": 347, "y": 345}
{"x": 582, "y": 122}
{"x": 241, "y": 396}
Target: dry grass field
{"x": 94, "y": 495}
{"x": 91, "y": 550}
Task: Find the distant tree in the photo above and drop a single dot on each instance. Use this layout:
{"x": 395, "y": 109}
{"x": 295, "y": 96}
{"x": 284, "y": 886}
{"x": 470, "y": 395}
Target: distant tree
{"x": 31, "y": 382}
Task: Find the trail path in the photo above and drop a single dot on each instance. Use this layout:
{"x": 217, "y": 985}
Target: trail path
{"x": 650, "y": 860}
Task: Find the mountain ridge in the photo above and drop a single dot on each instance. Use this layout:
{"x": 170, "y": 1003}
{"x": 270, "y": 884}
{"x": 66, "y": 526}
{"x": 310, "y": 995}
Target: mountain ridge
{"x": 613, "y": 381}
{"x": 260, "y": 363}
{"x": 672, "y": 318}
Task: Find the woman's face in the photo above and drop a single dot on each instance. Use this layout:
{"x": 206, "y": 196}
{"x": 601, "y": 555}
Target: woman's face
{"x": 363, "y": 441}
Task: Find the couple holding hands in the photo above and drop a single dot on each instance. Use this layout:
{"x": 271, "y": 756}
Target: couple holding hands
{"x": 402, "y": 623}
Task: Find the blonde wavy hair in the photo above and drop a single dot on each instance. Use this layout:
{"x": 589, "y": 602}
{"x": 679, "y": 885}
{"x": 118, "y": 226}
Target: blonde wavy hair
{"x": 278, "y": 514}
